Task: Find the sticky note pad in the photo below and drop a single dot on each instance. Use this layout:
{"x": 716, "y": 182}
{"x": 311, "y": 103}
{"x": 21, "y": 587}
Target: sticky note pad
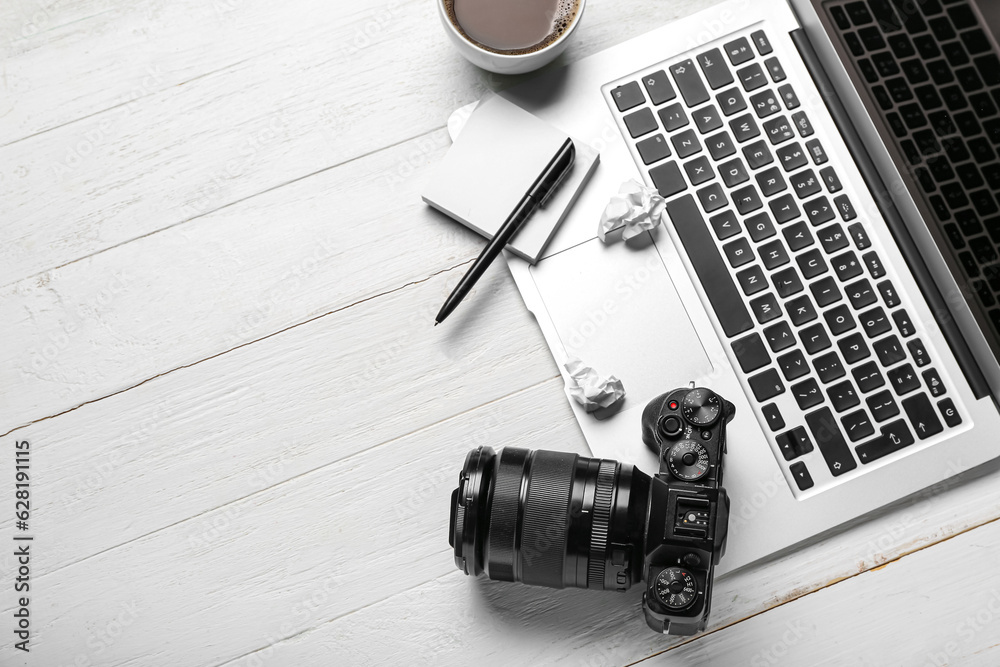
{"x": 499, "y": 152}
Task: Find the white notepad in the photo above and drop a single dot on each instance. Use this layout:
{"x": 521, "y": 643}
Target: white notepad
{"x": 498, "y": 152}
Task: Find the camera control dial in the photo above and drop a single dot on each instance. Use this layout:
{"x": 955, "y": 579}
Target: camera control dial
{"x": 688, "y": 460}
{"x": 675, "y": 588}
{"x": 701, "y": 407}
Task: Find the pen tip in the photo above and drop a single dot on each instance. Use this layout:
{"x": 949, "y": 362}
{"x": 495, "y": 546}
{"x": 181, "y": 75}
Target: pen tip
{"x": 436, "y": 323}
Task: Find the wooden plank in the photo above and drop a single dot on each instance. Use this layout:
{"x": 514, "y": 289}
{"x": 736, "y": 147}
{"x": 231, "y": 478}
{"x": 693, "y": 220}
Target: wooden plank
{"x": 212, "y": 433}
{"x": 96, "y": 327}
{"x": 917, "y": 611}
{"x": 229, "y": 134}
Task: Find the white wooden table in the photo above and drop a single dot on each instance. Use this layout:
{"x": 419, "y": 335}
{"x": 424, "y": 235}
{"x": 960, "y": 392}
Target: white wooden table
{"x": 218, "y": 282}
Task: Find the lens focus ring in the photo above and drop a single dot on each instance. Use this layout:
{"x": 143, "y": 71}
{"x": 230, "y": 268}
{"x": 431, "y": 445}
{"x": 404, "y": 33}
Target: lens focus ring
{"x": 603, "y": 496}
{"x": 547, "y": 518}
{"x": 503, "y": 513}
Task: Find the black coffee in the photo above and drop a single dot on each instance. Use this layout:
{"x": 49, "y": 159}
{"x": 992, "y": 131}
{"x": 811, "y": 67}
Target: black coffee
{"x": 511, "y": 27}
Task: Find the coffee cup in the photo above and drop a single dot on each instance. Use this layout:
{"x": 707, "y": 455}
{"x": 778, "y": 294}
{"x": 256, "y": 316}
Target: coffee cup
{"x": 513, "y": 43}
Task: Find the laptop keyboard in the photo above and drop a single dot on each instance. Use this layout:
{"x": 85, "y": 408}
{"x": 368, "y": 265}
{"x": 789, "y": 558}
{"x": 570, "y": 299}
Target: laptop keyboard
{"x": 809, "y": 310}
{"x": 935, "y": 76}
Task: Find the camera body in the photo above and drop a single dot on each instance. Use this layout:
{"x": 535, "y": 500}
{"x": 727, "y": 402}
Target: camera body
{"x": 561, "y": 520}
{"x": 687, "y": 519}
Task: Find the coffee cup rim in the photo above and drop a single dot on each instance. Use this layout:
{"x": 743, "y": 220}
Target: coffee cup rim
{"x": 510, "y": 56}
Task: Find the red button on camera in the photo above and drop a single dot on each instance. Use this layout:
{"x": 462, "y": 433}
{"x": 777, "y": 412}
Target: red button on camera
{"x": 672, "y": 405}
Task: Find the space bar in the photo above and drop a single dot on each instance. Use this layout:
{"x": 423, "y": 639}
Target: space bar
{"x": 709, "y": 265}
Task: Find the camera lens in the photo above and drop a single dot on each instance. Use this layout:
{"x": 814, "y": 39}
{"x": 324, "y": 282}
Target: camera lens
{"x": 549, "y": 518}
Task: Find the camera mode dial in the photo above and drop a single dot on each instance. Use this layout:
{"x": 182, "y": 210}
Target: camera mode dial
{"x": 687, "y": 460}
{"x": 701, "y": 407}
{"x": 675, "y": 588}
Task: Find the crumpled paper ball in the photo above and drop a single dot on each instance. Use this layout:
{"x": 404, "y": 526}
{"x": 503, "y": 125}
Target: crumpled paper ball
{"x": 590, "y": 389}
{"x": 636, "y": 206}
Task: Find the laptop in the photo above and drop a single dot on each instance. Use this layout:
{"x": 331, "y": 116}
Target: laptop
{"x": 828, "y": 261}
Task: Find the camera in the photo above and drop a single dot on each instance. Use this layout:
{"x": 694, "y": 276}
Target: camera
{"x": 562, "y": 520}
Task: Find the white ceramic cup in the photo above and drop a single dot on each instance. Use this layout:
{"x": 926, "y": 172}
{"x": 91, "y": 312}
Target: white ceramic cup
{"x": 507, "y": 64}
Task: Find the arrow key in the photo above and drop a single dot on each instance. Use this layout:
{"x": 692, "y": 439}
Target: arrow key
{"x": 801, "y": 474}
{"x": 922, "y": 416}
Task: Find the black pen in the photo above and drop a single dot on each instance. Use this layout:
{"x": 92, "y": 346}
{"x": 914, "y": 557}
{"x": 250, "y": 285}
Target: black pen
{"x": 553, "y": 174}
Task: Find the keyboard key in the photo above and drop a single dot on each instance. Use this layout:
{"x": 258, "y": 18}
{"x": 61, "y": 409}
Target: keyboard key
{"x": 903, "y": 323}
{"x": 815, "y": 150}
{"x": 734, "y": 172}
{"x": 918, "y": 353}
{"x": 787, "y": 283}
{"x": 778, "y": 130}
{"x": 751, "y": 280}
{"x": 933, "y": 382}
{"x": 818, "y": 210}
{"x": 653, "y": 149}
{"x": 707, "y": 118}
{"x": 832, "y": 181}
{"x": 801, "y": 122}
{"x": 731, "y": 101}
{"x": 667, "y": 179}
{"x": 805, "y": 184}
{"x": 839, "y": 319}
{"x": 889, "y": 351}
{"x": 758, "y": 154}
{"x": 872, "y": 38}
{"x": 875, "y": 322}
{"x": 950, "y": 414}
{"x": 720, "y": 145}
{"x": 774, "y": 68}
{"x": 751, "y": 353}
{"x": 814, "y": 338}
{"x": 830, "y": 441}
{"x": 843, "y": 204}
{"x": 640, "y": 122}
{"x": 854, "y": 348}
{"x": 699, "y": 170}
{"x": 747, "y": 200}
{"x": 773, "y": 255}
{"x": 793, "y": 365}
{"x": 791, "y": 157}
{"x": 874, "y": 264}
{"x": 715, "y": 69}
{"x": 708, "y": 264}
{"x": 868, "y": 377}
{"x": 840, "y": 18}
{"x": 801, "y": 475}
{"x": 787, "y": 93}
{"x": 903, "y": 379}
{"x": 807, "y": 394}
{"x": 914, "y": 71}
{"x": 689, "y": 83}
{"x": 712, "y": 197}
{"x": 861, "y": 294}
{"x": 882, "y": 406}
{"x": 846, "y": 265}
{"x": 860, "y": 236}
{"x": 779, "y": 336}
{"x": 922, "y": 416}
{"x": 738, "y": 51}
{"x": 828, "y": 367}
{"x": 686, "y": 143}
{"x": 857, "y": 425}
{"x": 832, "y": 238}
{"x": 773, "y": 417}
{"x": 843, "y": 396}
{"x": 894, "y": 436}
{"x": 765, "y": 308}
{"x": 760, "y": 40}
{"x": 901, "y": 45}
{"x": 825, "y": 291}
{"x": 658, "y": 87}
{"x": 627, "y": 96}
{"x": 759, "y": 226}
{"x": 765, "y": 104}
{"x": 888, "y": 293}
{"x": 752, "y": 77}
{"x": 798, "y": 236}
{"x": 744, "y": 128}
{"x": 801, "y": 310}
{"x": 784, "y": 208}
{"x": 766, "y": 385}
{"x": 673, "y": 117}
{"x": 811, "y": 263}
